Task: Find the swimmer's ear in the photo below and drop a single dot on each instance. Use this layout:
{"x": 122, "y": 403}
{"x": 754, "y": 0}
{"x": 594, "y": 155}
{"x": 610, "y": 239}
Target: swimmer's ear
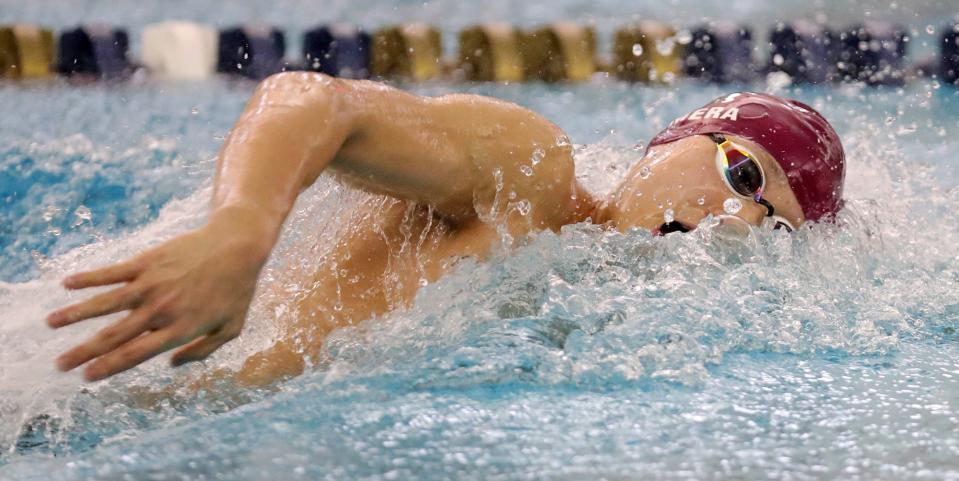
{"x": 120, "y": 272}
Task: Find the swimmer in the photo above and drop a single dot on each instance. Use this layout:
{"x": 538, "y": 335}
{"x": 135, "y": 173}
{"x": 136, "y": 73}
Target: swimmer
{"x": 463, "y": 170}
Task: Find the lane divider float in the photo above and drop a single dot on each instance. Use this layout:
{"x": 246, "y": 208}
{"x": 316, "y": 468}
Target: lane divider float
{"x": 491, "y": 53}
{"x": 804, "y": 50}
{"x": 337, "y": 50}
{"x": 94, "y": 51}
{"x": 720, "y": 52}
{"x": 254, "y": 52}
{"x": 561, "y": 51}
{"x": 949, "y": 66}
{"x": 647, "y": 52}
{"x": 406, "y": 52}
{"x": 872, "y": 52}
{"x": 180, "y": 50}
{"x": 26, "y": 52}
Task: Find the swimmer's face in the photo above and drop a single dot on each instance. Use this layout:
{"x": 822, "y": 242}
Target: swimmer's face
{"x": 682, "y": 177}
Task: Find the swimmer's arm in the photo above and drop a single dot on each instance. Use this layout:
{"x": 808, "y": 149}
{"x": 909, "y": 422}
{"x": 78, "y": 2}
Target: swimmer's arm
{"x": 458, "y": 153}
{"x": 452, "y": 152}
{"x": 195, "y": 289}
{"x": 461, "y": 154}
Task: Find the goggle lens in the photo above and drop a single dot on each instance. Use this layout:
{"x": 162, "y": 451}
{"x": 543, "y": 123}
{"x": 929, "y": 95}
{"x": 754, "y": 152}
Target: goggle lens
{"x": 743, "y": 173}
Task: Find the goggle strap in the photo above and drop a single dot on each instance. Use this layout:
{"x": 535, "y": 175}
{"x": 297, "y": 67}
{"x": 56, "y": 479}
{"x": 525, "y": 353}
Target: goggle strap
{"x": 770, "y": 210}
{"x": 719, "y": 139}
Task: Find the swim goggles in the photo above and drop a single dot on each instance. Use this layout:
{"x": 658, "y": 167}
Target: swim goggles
{"x": 744, "y": 175}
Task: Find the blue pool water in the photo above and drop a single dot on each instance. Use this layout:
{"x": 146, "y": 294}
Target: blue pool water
{"x": 827, "y": 354}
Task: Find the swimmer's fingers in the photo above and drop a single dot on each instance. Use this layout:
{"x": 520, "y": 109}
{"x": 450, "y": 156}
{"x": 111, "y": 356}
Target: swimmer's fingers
{"x": 106, "y": 340}
{"x": 120, "y": 272}
{"x": 133, "y": 353}
{"x": 119, "y": 299}
{"x": 201, "y": 348}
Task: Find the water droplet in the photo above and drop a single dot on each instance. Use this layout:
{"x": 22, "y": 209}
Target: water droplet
{"x": 523, "y": 207}
{"x": 83, "y": 212}
{"x": 637, "y": 49}
{"x": 644, "y": 172}
{"x": 732, "y": 206}
{"x": 194, "y": 111}
{"x": 338, "y": 307}
{"x": 684, "y": 37}
{"x": 778, "y": 59}
{"x": 527, "y": 170}
{"x": 49, "y": 212}
{"x": 498, "y": 177}
{"x": 54, "y": 231}
{"x": 424, "y": 282}
{"x": 668, "y": 216}
{"x": 665, "y": 46}
{"x": 701, "y": 201}
{"x": 930, "y": 29}
{"x": 537, "y": 156}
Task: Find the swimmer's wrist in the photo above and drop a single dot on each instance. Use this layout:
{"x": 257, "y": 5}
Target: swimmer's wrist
{"x": 256, "y": 229}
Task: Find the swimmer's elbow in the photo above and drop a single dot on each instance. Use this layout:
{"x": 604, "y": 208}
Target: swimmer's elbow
{"x": 307, "y": 95}
{"x": 303, "y": 111}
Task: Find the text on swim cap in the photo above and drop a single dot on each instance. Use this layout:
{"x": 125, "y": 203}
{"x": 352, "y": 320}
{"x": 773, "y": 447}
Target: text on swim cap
{"x": 731, "y": 113}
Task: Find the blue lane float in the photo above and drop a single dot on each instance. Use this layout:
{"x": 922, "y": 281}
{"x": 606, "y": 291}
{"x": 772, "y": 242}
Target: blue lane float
{"x": 252, "y": 52}
{"x": 874, "y": 53}
{"x": 949, "y": 66}
{"x": 94, "y": 51}
{"x": 720, "y": 52}
{"x": 806, "y": 51}
{"x": 338, "y": 50}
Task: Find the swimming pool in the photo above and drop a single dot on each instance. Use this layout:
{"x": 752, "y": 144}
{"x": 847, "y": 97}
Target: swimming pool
{"x": 827, "y": 354}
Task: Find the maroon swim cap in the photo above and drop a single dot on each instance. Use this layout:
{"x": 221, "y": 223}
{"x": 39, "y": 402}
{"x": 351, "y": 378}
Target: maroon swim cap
{"x": 802, "y": 141}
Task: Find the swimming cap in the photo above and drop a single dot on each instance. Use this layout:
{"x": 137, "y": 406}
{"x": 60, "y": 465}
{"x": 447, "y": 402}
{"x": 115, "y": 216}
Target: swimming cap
{"x": 802, "y": 141}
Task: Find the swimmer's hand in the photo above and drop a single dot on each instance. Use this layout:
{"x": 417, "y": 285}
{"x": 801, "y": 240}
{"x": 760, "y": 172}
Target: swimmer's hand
{"x": 193, "y": 290}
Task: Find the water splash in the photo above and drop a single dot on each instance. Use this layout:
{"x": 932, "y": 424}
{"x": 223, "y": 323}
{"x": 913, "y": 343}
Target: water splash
{"x": 732, "y": 339}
